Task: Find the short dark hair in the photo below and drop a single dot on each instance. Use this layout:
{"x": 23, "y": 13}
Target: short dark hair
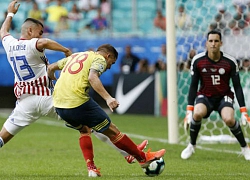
{"x": 214, "y": 32}
{"x": 34, "y": 21}
{"x": 108, "y": 48}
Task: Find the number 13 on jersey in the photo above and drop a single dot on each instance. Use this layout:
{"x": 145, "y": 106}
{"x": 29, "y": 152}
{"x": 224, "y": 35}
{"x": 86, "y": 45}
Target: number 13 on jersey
{"x": 24, "y": 67}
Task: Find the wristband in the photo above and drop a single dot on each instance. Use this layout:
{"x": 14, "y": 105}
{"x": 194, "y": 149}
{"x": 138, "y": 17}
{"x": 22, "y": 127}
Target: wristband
{"x": 10, "y": 14}
{"x": 190, "y": 108}
{"x": 243, "y": 109}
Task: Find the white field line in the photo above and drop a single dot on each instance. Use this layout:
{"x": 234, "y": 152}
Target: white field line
{"x": 141, "y": 137}
{"x": 137, "y": 136}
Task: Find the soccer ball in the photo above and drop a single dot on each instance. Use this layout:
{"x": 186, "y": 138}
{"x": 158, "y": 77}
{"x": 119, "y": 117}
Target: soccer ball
{"x": 155, "y": 168}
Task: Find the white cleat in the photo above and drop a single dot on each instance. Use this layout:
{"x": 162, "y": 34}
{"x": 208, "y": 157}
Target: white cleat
{"x": 188, "y": 151}
{"x": 246, "y": 152}
{"x": 94, "y": 173}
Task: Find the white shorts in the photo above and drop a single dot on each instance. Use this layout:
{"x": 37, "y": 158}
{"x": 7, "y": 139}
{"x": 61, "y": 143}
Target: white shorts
{"x": 28, "y": 109}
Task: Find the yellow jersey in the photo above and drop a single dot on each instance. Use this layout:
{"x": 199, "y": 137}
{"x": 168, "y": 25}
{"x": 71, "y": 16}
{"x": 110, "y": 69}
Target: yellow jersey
{"x": 72, "y": 88}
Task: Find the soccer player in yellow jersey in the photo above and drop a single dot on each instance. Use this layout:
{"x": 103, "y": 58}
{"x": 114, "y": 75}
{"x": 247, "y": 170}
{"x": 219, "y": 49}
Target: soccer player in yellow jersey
{"x": 80, "y": 71}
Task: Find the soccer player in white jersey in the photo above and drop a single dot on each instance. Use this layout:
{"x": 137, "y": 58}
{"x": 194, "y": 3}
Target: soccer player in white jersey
{"x": 32, "y": 88}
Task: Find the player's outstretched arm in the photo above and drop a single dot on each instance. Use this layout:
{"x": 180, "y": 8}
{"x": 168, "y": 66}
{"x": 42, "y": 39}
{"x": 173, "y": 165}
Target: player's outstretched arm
{"x": 51, "y": 70}
{"x": 45, "y": 43}
{"x": 56, "y": 66}
{"x": 12, "y": 10}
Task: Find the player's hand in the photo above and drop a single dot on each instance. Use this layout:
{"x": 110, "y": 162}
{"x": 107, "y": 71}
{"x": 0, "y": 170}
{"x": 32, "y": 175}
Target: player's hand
{"x": 13, "y": 8}
{"x": 189, "y": 116}
{"x": 245, "y": 120}
{"x": 51, "y": 71}
{"x": 112, "y": 103}
{"x": 68, "y": 52}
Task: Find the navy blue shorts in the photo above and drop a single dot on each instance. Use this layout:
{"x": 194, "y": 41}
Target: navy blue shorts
{"x": 89, "y": 114}
{"x": 214, "y": 104}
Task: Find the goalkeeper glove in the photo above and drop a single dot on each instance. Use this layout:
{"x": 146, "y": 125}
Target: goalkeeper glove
{"x": 244, "y": 116}
{"x": 189, "y": 117}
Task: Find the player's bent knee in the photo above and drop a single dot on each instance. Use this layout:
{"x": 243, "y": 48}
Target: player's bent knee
{"x": 11, "y": 129}
{"x": 229, "y": 122}
{"x": 198, "y": 116}
{"x": 85, "y": 130}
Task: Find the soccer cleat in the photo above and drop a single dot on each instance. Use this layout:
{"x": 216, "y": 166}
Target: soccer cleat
{"x": 188, "y": 151}
{"x": 245, "y": 151}
{"x": 151, "y": 156}
{"x": 130, "y": 159}
{"x": 93, "y": 171}
{"x": 143, "y": 145}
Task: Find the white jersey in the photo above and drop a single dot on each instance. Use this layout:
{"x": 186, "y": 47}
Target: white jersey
{"x": 29, "y": 66}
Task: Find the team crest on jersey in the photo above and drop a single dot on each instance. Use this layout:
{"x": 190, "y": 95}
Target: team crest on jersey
{"x": 101, "y": 67}
{"x": 204, "y": 70}
{"x": 213, "y": 70}
{"x": 222, "y": 71}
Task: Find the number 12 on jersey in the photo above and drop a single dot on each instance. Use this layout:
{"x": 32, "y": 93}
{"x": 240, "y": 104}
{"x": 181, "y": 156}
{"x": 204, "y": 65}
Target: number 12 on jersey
{"x": 215, "y": 79}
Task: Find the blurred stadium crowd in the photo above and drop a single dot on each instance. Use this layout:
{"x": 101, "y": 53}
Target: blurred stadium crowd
{"x": 136, "y": 17}
{"x": 74, "y": 19}
{"x": 81, "y": 18}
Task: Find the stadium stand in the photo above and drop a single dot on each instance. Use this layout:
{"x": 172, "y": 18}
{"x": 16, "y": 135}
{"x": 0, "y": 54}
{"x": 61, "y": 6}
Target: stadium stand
{"x": 131, "y": 21}
{"x": 135, "y": 16}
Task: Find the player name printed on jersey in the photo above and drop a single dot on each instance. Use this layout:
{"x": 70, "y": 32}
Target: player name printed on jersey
{"x": 17, "y": 48}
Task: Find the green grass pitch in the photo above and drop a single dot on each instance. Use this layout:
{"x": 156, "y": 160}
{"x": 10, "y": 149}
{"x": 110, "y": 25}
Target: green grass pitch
{"x": 48, "y": 150}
